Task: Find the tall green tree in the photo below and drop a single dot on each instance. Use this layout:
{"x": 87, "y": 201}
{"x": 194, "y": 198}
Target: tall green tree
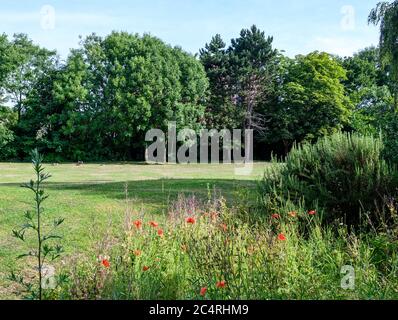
{"x": 241, "y": 79}
{"x": 253, "y": 65}
{"x": 367, "y": 86}
{"x": 312, "y": 100}
{"x": 7, "y": 136}
{"x": 4, "y": 63}
{"x": 113, "y": 89}
{"x": 386, "y": 14}
{"x": 220, "y": 110}
{"x": 27, "y": 62}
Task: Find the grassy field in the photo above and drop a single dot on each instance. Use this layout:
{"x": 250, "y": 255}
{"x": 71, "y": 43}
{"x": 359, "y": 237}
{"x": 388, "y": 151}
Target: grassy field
{"x": 91, "y": 196}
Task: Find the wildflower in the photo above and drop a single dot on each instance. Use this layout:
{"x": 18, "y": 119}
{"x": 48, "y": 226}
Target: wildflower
{"x": 221, "y": 284}
{"x": 137, "y": 253}
{"x": 224, "y": 227}
{"x": 281, "y": 237}
{"x": 138, "y": 224}
{"x": 293, "y": 214}
{"x": 106, "y": 263}
{"x": 312, "y": 212}
{"x": 160, "y": 232}
{"x": 275, "y": 216}
{"x": 145, "y": 268}
{"x": 203, "y": 291}
{"x": 191, "y": 220}
{"x": 154, "y": 224}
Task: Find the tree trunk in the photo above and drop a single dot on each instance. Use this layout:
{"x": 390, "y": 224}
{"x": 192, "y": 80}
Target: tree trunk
{"x": 286, "y": 147}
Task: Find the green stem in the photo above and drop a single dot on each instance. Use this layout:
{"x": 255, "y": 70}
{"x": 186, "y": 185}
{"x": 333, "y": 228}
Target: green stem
{"x": 38, "y": 231}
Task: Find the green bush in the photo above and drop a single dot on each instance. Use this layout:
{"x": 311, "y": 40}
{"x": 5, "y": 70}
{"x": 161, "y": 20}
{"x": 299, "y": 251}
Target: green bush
{"x": 343, "y": 174}
{"x": 390, "y": 129}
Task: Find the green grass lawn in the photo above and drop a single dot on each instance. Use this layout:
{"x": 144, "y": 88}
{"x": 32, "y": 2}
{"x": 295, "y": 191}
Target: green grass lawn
{"x": 91, "y": 196}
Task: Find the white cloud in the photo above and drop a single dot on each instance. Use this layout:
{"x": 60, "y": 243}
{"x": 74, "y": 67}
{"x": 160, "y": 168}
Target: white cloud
{"x": 343, "y": 46}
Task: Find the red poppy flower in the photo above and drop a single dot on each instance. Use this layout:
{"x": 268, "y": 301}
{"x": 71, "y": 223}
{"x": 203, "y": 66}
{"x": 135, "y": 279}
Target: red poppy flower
{"x": 275, "y": 216}
{"x": 106, "y": 263}
{"x": 160, "y": 232}
{"x": 145, "y": 268}
{"x": 154, "y": 224}
{"x": 138, "y": 224}
{"x": 203, "y": 291}
{"x": 293, "y": 214}
{"x": 281, "y": 237}
{"x": 191, "y": 220}
{"x": 221, "y": 284}
{"x": 312, "y": 212}
{"x": 214, "y": 215}
{"x": 137, "y": 253}
{"x": 224, "y": 227}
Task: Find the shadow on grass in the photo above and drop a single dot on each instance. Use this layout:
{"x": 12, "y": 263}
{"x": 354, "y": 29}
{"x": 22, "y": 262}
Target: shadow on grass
{"x": 150, "y": 191}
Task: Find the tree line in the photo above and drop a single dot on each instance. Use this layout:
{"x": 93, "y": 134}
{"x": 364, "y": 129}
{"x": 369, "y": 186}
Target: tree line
{"x": 100, "y": 102}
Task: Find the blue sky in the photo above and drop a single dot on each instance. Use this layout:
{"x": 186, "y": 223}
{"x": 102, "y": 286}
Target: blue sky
{"x": 298, "y": 26}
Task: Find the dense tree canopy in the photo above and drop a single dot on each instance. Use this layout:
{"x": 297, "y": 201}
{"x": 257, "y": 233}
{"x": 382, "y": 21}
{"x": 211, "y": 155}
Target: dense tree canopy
{"x": 241, "y": 79}
{"x": 7, "y": 121}
{"x": 311, "y": 102}
{"x": 386, "y": 14}
{"x": 109, "y": 93}
{"x": 100, "y": 102}
{"x": 367, "y": 88}
{"x": 219, "y": 109}
{"x": 26, "y": 63}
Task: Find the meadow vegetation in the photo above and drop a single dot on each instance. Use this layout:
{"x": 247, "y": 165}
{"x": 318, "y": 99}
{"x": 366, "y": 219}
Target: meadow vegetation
{"x": 259, "y": 244}
{"x": 93, "y": 198}
{"x": 318, "y": 222}
{"x": 214, "y": 252}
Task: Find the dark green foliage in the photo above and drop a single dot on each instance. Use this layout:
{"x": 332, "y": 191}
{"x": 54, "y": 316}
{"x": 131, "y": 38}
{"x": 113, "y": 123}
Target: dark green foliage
{"x": 389, "y": 128}
{"x": 220, "y": 111}
{"x": 8, "y": 120}
{"x": 110, "y": 92}
{"x": 343, "y": 174}
{"x": 99, "y": 104}
{"x": 5, "y": 66}
{"x": 241, "y": 77}
{"x": 367, "y": 86}
{"x": 27, "y": 64}
{"x": 386, "y": 14}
